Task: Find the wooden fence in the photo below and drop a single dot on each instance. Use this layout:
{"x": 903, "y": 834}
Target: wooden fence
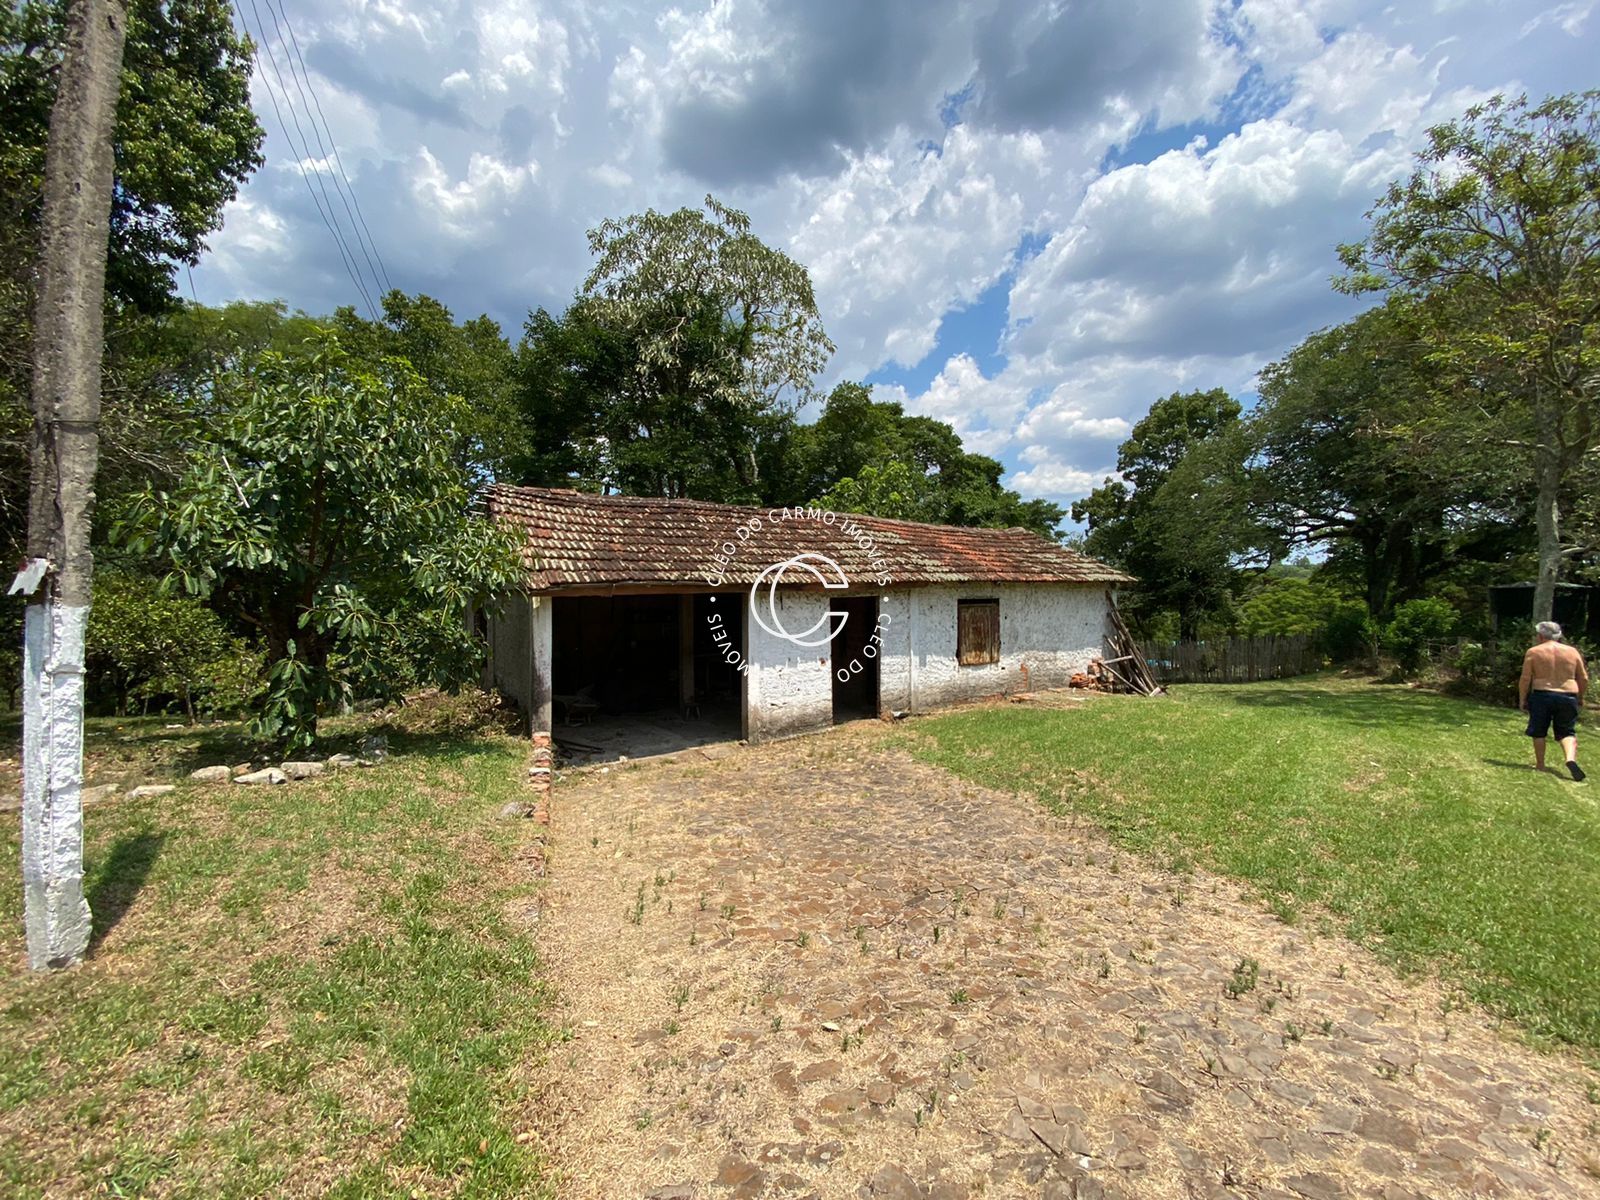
{"x": 1232, "y": 660}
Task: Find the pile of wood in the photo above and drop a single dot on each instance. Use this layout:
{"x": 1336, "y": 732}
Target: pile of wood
{"x": 1125, "y": 669}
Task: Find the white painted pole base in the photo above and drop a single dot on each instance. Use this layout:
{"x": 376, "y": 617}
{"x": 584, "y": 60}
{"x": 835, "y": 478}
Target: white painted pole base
{"x": 54, "y": 910}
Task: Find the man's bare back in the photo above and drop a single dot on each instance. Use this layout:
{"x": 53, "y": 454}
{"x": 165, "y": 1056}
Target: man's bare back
{"x": 1554, "y": 667}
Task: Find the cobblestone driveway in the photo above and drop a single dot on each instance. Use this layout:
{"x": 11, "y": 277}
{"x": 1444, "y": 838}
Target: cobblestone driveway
{"x": 822, "y": 968}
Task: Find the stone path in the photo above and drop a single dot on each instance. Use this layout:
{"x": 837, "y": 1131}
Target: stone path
{"x": 823, "y": 969}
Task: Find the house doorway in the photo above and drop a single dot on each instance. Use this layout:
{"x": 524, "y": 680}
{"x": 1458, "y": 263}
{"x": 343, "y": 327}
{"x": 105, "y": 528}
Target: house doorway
{"x": 855, "y": 660}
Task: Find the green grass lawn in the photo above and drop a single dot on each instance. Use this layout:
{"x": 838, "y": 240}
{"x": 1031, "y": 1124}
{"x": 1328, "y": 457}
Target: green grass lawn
{"x": 318, "y": 988}
{"x": 1414, "y": 819}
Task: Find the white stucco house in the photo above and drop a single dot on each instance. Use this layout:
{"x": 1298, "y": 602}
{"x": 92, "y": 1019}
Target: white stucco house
{"x": 778, "y": 621}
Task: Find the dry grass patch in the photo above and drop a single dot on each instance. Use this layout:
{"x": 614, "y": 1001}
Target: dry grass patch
{"x": 302, "y": 990}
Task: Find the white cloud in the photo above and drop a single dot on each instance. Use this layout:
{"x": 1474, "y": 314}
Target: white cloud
{"x": 610, "y": 175}
{"x": 467, "y": 205}
{"x": 983, "y": 411}
{"x": 902, "y": 151}
{"x": 1571, "y": 19}
{"x": 1051, "y": 478}
{"x": 899, "y": 238}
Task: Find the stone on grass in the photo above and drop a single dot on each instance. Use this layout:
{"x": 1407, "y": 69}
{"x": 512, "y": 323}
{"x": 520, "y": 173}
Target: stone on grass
{"x": 892, "y": 1182}
{"x": 93, "y": 795}
{"x": 267, "y": 775}
{"x": 516, "y": 809}
{"x": 151, "y": 789}
{"x": 212, "y": 775}
{"x": 375, "y": 747}
{"x": 302, "y": 770}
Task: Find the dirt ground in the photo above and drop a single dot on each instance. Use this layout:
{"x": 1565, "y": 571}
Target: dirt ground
{"x": 821, "y": 968}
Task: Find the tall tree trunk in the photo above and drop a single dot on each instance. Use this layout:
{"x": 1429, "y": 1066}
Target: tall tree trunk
{"x": 1547, "y": 506}
{"x": 67, "y": 345}
{"x": 1377, "y": 565}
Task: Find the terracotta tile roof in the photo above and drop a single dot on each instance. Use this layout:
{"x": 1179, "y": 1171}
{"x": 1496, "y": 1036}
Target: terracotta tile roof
{"x": 576, "y": 539}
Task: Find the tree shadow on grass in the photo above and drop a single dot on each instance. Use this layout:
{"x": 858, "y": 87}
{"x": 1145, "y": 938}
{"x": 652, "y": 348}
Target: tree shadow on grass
{"x": 1380, "y": 707}
{"x": 119, "y": 877}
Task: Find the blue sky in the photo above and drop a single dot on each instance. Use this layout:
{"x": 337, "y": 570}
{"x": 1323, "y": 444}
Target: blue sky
{"x": 1027, "y": 218}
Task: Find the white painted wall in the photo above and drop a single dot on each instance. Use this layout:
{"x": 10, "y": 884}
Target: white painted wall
{"x": 509, "y": 662}
{"x": 1048, "y": 632}
{"x": 520, "y": 644}
{"x": 789, "y": 688}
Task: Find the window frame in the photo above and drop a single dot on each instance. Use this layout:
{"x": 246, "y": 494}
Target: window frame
{"x": 965, "y": 654}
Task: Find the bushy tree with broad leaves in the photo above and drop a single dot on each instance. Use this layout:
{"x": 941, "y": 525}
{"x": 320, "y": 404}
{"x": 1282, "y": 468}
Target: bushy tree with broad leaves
{"x": 147, "y": 643}
{"x": 328, "y": 512}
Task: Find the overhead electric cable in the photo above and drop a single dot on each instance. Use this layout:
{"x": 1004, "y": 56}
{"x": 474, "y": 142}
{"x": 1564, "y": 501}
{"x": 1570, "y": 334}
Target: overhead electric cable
{"x": 302, "y": 152}
{"x": 319, "y": 125}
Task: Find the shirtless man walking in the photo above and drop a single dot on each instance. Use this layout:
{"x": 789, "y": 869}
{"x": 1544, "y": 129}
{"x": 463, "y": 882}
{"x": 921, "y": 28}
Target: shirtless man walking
{"x": 1554, "y": 680}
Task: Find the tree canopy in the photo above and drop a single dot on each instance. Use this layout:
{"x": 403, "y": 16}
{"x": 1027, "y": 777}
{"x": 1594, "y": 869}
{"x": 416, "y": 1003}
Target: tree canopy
{"x": 186, "y": 136}
{"x": 185, "y": 139}
{"x": 1179, "y": 516}
{"x": 1495, "y": 240}
{"x": 326, "y": 511}
{"x": 673, "y": 279}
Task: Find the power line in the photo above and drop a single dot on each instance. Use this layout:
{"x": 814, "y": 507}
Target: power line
{"x": 347, "y": 194}
{"x": 303, "y": 152}
{"x": 322, "y": 185}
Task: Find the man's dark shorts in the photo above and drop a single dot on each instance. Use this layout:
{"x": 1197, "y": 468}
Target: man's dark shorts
{"x": 1552, "y": 708}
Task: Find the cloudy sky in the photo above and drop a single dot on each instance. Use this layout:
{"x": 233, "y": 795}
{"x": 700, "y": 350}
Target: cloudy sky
{"x": 1029, "y": 218}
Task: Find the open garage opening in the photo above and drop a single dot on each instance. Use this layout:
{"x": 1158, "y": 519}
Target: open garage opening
{"x": 636, "y": 675}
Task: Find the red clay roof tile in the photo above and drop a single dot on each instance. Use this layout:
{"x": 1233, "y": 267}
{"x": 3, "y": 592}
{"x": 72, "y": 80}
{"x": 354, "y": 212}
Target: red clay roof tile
{"x": 576, "y": 539}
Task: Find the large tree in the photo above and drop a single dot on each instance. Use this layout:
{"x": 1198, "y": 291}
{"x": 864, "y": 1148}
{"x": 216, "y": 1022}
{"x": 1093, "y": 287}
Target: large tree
{"x": 185, "y": 138}
{"x": 1496, "y": 239}
{"x": 600, "y": 417}
{"x": 688, "y": 340}
{"x": 328, "y": 512}
{"x": 661, "y": 272}
{"x": 869, "y": 456}
{"x": 1350, "y": 456}
{"x": 1178, "y": 518}
{"x": 468, "y": 359}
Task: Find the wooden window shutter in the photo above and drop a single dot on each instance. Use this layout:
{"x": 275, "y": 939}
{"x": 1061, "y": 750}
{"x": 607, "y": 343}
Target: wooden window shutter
{"x": 977, "y": 632}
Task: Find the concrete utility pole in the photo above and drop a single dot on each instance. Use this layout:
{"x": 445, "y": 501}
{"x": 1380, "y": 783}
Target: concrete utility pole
{"x": 67, "y": 341}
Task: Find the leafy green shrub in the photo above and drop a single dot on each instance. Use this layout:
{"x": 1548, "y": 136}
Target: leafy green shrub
{"x": 1349, "y": 633}
{"x": 149, "y": 646}
{"x": 1474, "y": 662}
{"x": 1415, "y": 625}
{"x": 1286, "y": 607}
{"x": 330, "y": 505}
